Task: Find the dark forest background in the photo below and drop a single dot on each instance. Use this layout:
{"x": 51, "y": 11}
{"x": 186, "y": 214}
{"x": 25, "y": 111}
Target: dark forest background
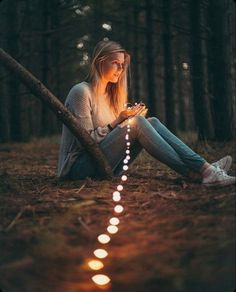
{"x": 183, "y": 59}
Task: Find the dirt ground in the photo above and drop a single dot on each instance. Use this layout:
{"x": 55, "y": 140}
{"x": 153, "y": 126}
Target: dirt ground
{"x": 174, "y": 235}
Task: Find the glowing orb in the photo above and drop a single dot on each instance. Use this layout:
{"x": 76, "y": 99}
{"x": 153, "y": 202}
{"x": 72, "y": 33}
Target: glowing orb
{"x": 116, "y": 197}
{"x": 128, "y": 143}
{"x": 100, "y": 253}
{"x": 128, "y": 130}
{"x": 126, "y": 137}
{"x": 127, "y": 157}
{"x": 127, "y": 151}
{"x": 119, "y": 188}
{"x": 124, "y": 177}
{"x": 125, "y": 167}
{"x": 125, "y": 161}
{"x": 118, "y": 209}
{"x": 104, "y": 238}
{"x": 112, "y": 229}
{"x": 101, "y": 279}
{"x": 114, "y": 221}
{"x": 95, "y": 265}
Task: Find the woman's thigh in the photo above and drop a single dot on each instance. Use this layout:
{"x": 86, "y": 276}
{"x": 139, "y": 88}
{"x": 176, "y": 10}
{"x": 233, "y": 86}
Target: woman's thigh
{"x": 113, "y": 147}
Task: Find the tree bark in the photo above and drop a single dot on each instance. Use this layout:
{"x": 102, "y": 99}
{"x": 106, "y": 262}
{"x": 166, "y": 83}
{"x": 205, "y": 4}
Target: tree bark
{"x": 168, "y": 68}
{"x": 40, "y": 91}
{"x": 150, "y": 58}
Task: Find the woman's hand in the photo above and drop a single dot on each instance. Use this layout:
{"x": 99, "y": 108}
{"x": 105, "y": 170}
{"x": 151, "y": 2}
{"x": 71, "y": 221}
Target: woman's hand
{"x": 131, "y": 112}
{"x": 139, "y": 109}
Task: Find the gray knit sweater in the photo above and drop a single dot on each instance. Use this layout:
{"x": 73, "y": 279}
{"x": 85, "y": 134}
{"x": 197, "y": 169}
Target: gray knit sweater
{"x": 92, "y": 116}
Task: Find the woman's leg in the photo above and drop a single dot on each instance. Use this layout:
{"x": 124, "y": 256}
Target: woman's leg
{"x": 113, "y": 147}
{"x": 142, "y": 135}
{"x": 188, "y": 156}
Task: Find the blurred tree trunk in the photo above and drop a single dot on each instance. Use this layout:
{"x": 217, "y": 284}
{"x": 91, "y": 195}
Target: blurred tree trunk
{"x": 136, "y": 49}
{"x": 220, "y": 62}
{"x": 151, "y": 103}
{"x": 40, "y": 91}
{"x": 13, "y": 87}
{"x": 201, "y": 102}
{"x": 168, "y": 67}
{"x": 180, "y": 92}
{"x": 4, "y": 105}
{"x": 45, "y": 124}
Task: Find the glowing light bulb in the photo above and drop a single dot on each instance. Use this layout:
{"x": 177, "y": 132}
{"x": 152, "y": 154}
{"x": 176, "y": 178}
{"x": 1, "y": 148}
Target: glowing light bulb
{"x": 124, "y": 177}
{"x": 101, "y": 279}
{"x": 126, "y": 137}
{"x": 116, "y": 197}
{"x": 125, "y": 167}
{"x": 95, "y": 265}
{"x": 100, "y": 253}
{"x": 119, "y": 187}
{"x": 128, "y": 130}
{"x": 127, "y": 151}
{"x": 112, "y": 229}
{"x": 127, "y": 157}
{"x": 118, "y": 209}
{"x": 114, "y": 221}
{"x": 125, "y": 161}
{"x": 104, "y": 238}
{"x": 128, "y": 126}
{"x": 128, "y": 143}
{"x": 116, "y": 193}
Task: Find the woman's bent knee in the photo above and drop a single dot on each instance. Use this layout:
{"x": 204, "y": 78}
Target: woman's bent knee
{"x": 153, "y": 119}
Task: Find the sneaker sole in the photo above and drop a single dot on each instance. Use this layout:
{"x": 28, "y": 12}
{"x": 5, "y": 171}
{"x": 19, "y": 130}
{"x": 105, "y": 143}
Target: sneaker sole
{"x": 219, "y": 184}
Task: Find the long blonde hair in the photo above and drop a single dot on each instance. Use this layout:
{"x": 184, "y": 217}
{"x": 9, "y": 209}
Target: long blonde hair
{"x": 117, "y": 92}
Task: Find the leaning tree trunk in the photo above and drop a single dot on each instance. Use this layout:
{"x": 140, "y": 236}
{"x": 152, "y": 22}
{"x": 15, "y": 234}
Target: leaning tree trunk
{"x": 40, "y": 91}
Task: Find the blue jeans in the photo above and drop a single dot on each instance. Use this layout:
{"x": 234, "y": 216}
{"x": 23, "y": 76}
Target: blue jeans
{"x": 149, "y": 134}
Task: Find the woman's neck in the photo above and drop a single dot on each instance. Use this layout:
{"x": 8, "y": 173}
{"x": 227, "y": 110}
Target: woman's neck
{"x": 101, "y": 89}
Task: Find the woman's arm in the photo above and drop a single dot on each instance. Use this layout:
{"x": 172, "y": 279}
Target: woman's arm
{"x": 80, "y": 104}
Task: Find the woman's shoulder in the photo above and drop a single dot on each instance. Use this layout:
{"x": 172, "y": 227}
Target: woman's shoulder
{"x": 82, "y": 88}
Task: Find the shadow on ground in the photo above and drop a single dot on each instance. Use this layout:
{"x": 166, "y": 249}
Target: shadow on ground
{"x": 174, "y": 235}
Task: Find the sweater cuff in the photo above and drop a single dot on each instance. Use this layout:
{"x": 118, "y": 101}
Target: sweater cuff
{"x": 110, "y": 127}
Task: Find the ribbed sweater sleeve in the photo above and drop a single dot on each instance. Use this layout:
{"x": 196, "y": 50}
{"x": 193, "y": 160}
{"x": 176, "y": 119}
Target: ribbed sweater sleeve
{"x": 79, "y": 102}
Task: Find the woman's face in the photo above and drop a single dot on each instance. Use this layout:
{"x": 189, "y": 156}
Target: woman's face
{"x": 112, "y": 67}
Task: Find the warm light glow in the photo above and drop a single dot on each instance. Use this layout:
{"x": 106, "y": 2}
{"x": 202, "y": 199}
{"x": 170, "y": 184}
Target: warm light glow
{"x": 128, "y": 143}
{"x": 104, "y": 238}
{"x": 124, "y": 177}
{"x": 127, "y": 157}
{"x": 106, "y": 26}
{"x": 119, "y": 187}
{"x": 185, "y": 66}
{"x": 116, "y": 197}
{"x": 114, "y": 221}
{"x": 112, "y": 229}
{"x": 126, "y": 137}
{"x": 118, "y": 209}
{"x": 95, "y": 265}
{"x": 125, "y": 167}
{"x": 127, "y": 151}
{"x": 100, "y": 253}
{"x": 128, "y": 130}
{"x": 101, "y": 279}
{"x": 125, "y": 161}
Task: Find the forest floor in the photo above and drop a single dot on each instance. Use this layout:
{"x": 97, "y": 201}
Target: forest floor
{"x": 174, "y": 235}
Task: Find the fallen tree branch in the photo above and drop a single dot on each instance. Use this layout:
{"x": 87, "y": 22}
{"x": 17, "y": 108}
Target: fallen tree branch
{"x": 63, "y": 114}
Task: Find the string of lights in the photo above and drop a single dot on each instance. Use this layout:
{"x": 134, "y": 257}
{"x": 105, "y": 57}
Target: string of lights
{"x": 96, "y": 264}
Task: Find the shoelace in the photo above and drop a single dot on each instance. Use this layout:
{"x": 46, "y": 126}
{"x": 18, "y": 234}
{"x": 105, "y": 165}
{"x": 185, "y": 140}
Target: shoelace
{"x": 220, "y": 170}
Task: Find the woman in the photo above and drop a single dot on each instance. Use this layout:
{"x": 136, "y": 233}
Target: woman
{"x": 98, "y": 104}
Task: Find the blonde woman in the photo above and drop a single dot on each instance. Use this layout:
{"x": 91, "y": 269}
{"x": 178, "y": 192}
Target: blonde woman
{"x": 99, "y": 105}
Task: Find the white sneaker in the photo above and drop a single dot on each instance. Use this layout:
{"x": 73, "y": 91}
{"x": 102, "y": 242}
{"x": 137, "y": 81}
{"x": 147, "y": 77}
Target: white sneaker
{"x": 224, "y": 163}
{"x": 217, "y": 177}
